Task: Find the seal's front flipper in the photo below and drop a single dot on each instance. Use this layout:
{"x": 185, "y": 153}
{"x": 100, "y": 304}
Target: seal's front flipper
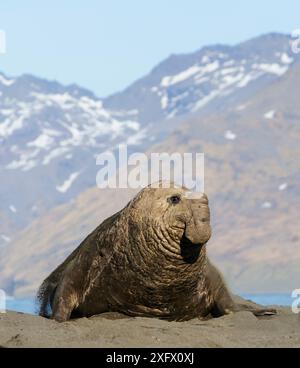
{"x": 264, "y": 312}
{"x": 258, "y": 310}
{"x": 64, "y": 302}
{"x": 223, "y": 302}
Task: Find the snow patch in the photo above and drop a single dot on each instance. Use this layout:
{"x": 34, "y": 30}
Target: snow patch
{"x": 188, "y": 73}
{"x": 266, "y": 205}
{"x": 164, "y": 102}
{"x": 64, "y": 99}
{"x": 6, "y": 112}
{"x": 229, "y": 63}
{"x": 26, "y": 161}
{"x": 7, "y": 239}
{"x": 241, "y": 107}
{"x": 134, "y": 125}
{"x": 231, "y": 79}
{"x": 274, "y": 68}
{"x": 230, "y": 135}
{"x": 286, "y": 59}
{"x": 54, "y": 154}
{"x": 13, "y": 208}
{"x": 205, "y": 59}
{"x": 205, "y": 100}
{"x": 68, "y": 183}
{"x": 13, "y": 123}
{"x": 246, "y": 80}
{"x": 6, "y": 82}
{"x": 171, "y": 80}
{"x": 283, "y": 187}
{"x": 42, "y": 141}
{"x": 270, "y": 114}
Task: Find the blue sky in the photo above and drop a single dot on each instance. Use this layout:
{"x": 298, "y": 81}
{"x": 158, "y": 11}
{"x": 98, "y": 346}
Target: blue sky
{"x": 106, "y": 45}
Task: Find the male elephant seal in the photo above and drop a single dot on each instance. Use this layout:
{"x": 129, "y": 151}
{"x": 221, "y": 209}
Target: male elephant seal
{"x": 147, "y": 260}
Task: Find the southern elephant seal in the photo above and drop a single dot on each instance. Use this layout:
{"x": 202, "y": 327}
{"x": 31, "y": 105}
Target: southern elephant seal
{"x": 149, "y": 259}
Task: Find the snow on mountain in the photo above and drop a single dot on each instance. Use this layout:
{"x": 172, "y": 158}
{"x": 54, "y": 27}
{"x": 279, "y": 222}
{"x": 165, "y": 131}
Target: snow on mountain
{"x": 188, "y": 83}
{"x": 67, "y": 184}
{"x": 6, "y": 82}
{"x": 270, "y": 114}
{"x": 230, "y": 135}
{"x": 221, "y": 76}
{"x": 283, "y": 187}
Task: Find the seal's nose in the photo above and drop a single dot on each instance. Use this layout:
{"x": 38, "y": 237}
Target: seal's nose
{"x": 200, "y": 208}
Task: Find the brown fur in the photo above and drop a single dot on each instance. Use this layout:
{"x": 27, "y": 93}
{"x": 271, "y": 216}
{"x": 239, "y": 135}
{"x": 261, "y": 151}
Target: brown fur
{"x": 147, "y": 260}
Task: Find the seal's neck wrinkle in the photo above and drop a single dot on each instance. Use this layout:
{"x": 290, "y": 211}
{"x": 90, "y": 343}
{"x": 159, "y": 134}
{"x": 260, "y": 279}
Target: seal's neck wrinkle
{"x": 162, "y": 245}
{"x": 162, "y": 272}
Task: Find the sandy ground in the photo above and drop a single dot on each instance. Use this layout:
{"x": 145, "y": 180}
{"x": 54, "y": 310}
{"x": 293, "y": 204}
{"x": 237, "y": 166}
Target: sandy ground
{"x": 115, "y": 331}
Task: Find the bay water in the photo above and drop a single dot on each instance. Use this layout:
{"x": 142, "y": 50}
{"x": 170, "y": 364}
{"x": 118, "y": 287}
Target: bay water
{"x": 28, "y": 305}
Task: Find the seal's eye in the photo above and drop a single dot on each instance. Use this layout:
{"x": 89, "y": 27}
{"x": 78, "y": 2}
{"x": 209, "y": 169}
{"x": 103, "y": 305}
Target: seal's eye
{"x": 174, "y": 199}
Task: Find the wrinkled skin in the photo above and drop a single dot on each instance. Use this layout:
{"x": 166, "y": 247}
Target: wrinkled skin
{"x": 147, "y": 260}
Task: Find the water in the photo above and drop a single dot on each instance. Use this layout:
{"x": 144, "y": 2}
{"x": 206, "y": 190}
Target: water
{"x": 27, "y": 305}
{"x": 270, "y": 299}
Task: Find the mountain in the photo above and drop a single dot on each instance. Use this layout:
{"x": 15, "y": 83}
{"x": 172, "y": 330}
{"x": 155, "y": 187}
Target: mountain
{"x": 49, "y": 136}
{"x": 252, "y": 175}
{"x": 50, "y": 133}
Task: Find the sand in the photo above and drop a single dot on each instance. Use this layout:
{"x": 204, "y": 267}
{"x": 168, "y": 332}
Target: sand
{"x": 112, "y": 330}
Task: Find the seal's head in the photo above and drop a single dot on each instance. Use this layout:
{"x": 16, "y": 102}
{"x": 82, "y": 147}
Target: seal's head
{"x": 173, "y": 214}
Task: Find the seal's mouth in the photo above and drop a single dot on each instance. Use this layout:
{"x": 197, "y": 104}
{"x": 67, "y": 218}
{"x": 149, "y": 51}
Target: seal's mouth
{"x": 190, "y": 251}
{"x": 192, "y": 241}
{"x": 186, "y": 242}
